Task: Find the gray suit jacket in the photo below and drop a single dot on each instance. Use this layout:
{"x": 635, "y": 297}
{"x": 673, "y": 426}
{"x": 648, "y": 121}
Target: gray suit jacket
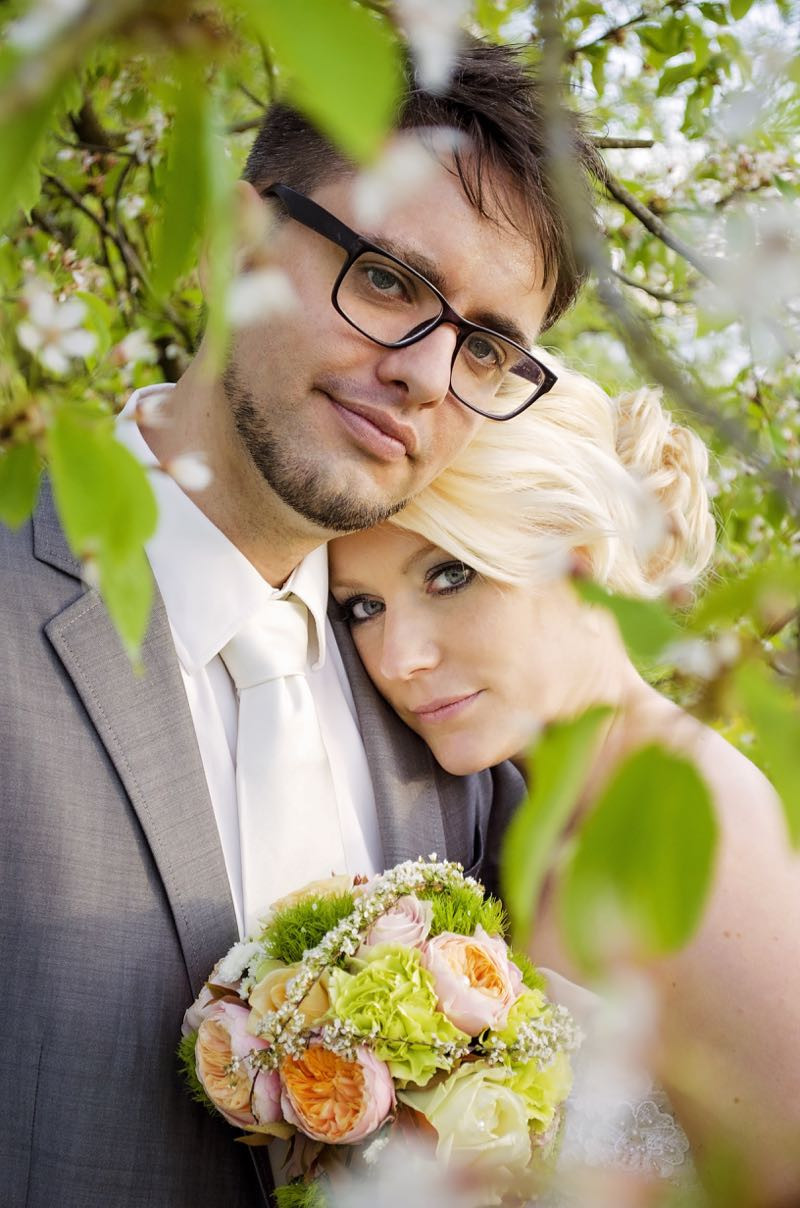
{"x": 115, "y": 901}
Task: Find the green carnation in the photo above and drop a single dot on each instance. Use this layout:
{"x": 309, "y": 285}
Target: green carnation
{"x": 392, "y": 1001}
{"x": 543, "y": 1090}
{"x": 530, "y": 1005}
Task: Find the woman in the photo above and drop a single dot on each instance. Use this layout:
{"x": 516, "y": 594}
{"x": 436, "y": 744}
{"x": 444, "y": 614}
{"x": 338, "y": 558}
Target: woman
{"x": 465, "y": 618}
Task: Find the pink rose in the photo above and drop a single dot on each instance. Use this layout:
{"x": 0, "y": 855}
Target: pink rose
{"x": 407, "y": 923}
{"x": 335, "y": 1100}
{"x": 475, "y": 981}
{"x": 247, "y": 1097}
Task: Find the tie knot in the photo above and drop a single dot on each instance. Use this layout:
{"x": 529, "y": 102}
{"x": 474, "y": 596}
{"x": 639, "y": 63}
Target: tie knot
{"x": 271, "y": 645}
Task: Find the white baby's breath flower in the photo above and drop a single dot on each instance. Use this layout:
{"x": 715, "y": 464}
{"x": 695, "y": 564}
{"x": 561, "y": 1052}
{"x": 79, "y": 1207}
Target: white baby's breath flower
{"x": 190, "y": 470}
{"x": 42, "y": 23}
{"x": 434, "y": 32}
{"x": 262, "y": 294}
{"x": 52, "y": 331}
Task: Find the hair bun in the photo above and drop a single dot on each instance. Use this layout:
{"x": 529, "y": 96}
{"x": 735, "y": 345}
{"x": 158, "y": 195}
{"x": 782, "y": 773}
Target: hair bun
{"x": 671, "y": 462}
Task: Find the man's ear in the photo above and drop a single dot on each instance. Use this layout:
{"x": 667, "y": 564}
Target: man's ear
{"x": 252, "y": 224}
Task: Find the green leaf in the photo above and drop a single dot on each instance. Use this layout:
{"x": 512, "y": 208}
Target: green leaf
{"x": 21, "y": 140}
{"x": 108, "y": 511}
{"x": 560, "y": 761}
{"x": 98, "y": 320}
{"x": 774, "y": 715}
{"x": 185, "y": 187}
{"x": 20, "y": 470}
{"x": 740, "y": 8}
{"x": 763, "y": 591}
{"x": 341, "y": 64}
{"x": 645, "y": 625}
{"x": 672, "y": 77}
{"x": 641, "y": 868}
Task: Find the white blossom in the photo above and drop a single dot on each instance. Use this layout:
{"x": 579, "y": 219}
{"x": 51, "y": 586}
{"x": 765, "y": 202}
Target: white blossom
{"x": 52, "y": 331}
{"x": 400, "y": 172}
{"x": 42, "y": 23}
{"x": 136, "y": 348}
{"x": 190, "y": 470}
{"x": 150, "y": 410}
{"x": 132, "y": 205}
{"x": 260, "y": 295}
{"x": 434, "y": 33}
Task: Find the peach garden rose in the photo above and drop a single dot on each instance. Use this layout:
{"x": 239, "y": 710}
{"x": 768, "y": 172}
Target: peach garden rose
{"x": 247, "y": 1098}
{"x": 335, "y": 1100}
{"x": 476, "y": 982}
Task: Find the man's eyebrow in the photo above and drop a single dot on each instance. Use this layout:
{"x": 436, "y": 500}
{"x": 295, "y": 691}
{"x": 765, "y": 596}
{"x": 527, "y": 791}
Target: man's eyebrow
{"x": 502, "y": 324}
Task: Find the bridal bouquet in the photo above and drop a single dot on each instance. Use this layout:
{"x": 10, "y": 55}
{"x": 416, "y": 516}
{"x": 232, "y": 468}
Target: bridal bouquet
{"x": 366, "y": 1012}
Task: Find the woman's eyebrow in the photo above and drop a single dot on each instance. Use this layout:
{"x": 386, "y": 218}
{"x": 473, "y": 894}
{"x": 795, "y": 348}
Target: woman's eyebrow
{"x": 504, "y": 325}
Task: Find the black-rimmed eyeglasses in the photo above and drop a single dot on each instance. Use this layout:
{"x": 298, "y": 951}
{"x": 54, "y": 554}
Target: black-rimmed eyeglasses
{"x": 392, "y": 304}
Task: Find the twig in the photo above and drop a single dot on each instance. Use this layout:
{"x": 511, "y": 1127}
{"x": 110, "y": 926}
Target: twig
{"x": 130, "y": 258}
{"x": 251, "y": 96}
{"x": 660, "y": 295}
{"x": 643, "y": 15}
{"x": 604, "y": 141}
{"x": 242, "y": 127}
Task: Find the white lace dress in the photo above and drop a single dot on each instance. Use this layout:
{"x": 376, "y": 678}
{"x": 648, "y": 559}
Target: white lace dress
{"x": 616, "y": 1119}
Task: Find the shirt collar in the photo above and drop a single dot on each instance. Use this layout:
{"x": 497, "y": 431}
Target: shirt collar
{"x": 208, "y": 586}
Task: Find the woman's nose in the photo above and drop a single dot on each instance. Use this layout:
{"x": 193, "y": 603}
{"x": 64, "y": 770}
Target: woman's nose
{"x": 408, "y": 647}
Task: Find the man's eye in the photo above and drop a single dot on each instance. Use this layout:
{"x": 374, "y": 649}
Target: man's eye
{"x": 485, "y": 351}
{"x": 361, "y": 608}
{"x": 450, "y": 577}
{"x": 384, "y": 281}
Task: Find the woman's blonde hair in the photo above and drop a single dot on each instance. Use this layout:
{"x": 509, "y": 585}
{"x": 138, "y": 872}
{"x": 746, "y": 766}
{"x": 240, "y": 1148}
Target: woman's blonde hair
{"x": 615, "y": 480}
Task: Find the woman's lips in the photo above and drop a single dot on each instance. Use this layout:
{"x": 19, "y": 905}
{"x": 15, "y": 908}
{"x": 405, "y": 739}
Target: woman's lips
{"x": 447, "y": 707}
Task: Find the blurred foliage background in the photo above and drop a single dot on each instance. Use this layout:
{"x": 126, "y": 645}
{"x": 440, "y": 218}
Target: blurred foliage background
{"x": 123, "y": 125}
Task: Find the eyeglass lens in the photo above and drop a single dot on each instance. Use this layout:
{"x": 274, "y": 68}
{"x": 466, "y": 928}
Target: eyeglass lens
{"x": 389, "y": 303}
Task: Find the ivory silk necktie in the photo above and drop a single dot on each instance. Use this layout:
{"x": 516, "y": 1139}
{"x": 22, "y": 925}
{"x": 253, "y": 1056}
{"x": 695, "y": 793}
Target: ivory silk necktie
{"x": 288, "y": 821}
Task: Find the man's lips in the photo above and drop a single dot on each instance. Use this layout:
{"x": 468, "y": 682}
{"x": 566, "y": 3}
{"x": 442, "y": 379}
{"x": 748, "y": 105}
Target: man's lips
{"x": 376, "y": 428}
{"x": 445, "y": 707}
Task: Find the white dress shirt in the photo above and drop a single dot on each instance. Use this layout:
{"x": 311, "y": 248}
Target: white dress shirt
{"x": 209, "y": 590}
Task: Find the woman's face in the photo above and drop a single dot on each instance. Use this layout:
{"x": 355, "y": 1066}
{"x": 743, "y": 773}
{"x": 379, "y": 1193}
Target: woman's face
{"x": 474, "y": 667}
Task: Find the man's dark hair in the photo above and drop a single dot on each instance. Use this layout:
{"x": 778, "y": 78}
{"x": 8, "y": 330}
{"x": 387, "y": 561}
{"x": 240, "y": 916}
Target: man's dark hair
{"x": 495, "y": 99}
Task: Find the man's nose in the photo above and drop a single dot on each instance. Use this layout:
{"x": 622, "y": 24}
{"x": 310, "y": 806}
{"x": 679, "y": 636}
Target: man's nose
{"x": 408, "y": 647}
{"x": 423, "y": 368}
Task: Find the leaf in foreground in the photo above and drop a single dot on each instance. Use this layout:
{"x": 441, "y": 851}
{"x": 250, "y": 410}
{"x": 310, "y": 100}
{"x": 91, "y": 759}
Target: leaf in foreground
{"x": 641, "y": 869}
{"x": 560, "y": 761}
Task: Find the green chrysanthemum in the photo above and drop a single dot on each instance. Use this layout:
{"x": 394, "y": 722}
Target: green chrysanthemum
{"x": 392, "y": 1000}
{"x": 531, "y": 1004}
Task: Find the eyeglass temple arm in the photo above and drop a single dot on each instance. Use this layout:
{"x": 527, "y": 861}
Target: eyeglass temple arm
{"x": 306, "y": 211}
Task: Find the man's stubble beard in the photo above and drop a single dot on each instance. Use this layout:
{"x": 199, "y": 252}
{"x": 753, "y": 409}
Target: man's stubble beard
{"x": 297, "y": 483}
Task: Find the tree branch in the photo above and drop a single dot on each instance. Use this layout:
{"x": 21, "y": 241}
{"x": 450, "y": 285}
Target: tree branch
{"x": 656, "y": 227}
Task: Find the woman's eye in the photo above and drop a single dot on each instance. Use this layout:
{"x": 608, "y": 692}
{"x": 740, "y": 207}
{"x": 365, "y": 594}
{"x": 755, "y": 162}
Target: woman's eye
{"x": 361, "y": 608}
{"x": 450, "y": 577}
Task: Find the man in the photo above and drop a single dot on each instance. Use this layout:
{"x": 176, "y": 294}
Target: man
{"x": 148, "y": 820}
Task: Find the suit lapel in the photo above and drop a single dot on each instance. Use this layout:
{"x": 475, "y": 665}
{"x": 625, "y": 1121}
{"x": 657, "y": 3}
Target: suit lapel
{"x": 404, "y": 774}
{"x": 144, "y": 723}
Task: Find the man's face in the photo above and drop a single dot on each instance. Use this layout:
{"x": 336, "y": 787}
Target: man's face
{"x": 344, "y": 430}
